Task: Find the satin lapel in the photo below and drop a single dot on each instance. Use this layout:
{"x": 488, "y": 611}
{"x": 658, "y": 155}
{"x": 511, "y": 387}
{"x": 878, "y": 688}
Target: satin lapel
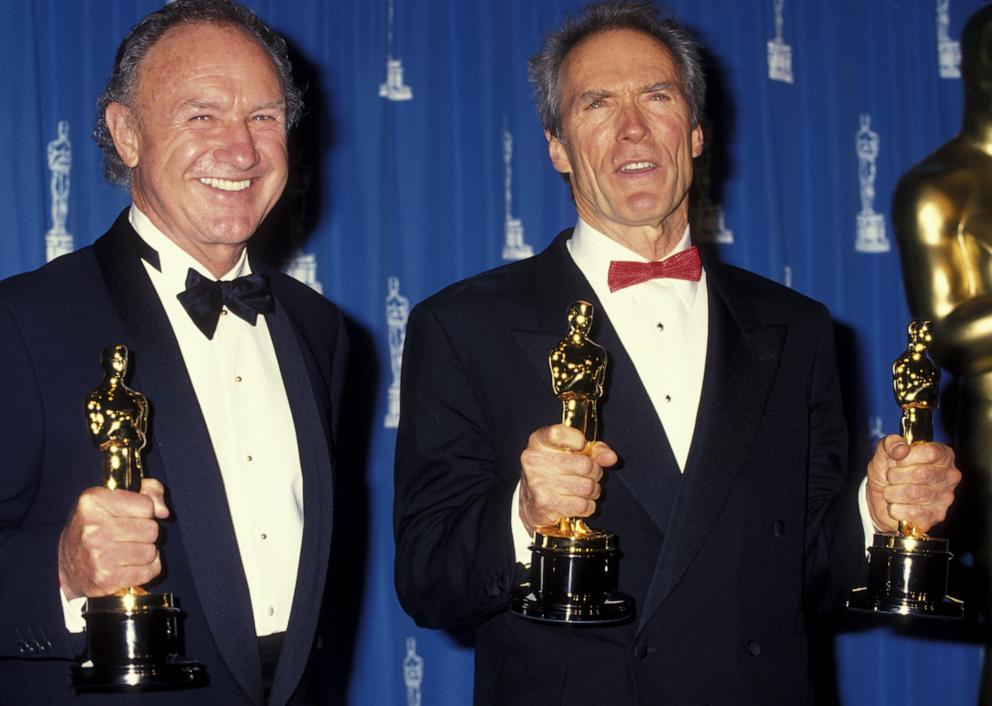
{"x": 628, "y": 421}
{"x": 741, "y": 362}
{"x": 312, "y": 420}
{"x": 189, "y": 466}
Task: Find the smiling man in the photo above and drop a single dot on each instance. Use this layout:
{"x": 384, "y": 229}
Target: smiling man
{"x": 721, "y": 459}
{"x": 243, "y": 368}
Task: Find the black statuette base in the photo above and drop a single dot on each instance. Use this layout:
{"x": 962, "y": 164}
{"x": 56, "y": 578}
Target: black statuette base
{"x": 907, "y": 576}
{"x": 133, "y": 644}
{"x": 573, "y": 580}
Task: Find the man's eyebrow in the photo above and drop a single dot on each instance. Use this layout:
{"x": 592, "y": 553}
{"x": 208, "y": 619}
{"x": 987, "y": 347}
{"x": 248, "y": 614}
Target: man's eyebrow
{"x": 278, "y": 104}
{"x": 593, "y": 94}
{"x": 659, "y": 86}
{"x": 198, "y": 104}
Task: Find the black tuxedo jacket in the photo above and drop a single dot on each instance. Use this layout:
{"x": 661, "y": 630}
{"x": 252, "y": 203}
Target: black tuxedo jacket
{"x": 723, "y": 563}
{"x": 54, "y": 323}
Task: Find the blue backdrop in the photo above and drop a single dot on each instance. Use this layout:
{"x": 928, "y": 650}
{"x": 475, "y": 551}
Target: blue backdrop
{"x": 421, "y": 161}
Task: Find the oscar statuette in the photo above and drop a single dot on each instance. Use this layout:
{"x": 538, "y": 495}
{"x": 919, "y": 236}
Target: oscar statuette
{"x": 133, "y": 640}
{"x": 907, "y": 570}
{"x": 573, "y": 569}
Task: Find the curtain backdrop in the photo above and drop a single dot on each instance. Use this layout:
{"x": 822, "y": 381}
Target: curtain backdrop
{"x": 421, "y": 161}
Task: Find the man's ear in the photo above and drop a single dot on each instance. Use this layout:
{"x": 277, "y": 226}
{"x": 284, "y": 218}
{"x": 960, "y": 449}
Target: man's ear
{"x": 123, "y": 129}
{"x": 696, "y": 140}
{"x": 558, "y": 154}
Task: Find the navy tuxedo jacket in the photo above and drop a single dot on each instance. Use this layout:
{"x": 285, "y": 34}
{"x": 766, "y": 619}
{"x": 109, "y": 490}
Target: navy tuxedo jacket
{"x": 54, "y": 323}
{"x": 723, "y": 563}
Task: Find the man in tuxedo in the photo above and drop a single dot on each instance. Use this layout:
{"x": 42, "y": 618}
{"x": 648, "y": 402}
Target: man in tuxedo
{"x": 721, "y": 459}
{"x": 243, "y": 368}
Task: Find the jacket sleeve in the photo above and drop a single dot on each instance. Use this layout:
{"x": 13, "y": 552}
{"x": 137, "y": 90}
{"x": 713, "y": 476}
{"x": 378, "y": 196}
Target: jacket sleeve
{"x": 31, "y": 619}
{"x": 835, "y": 557}
{"x": 454, "y": 549}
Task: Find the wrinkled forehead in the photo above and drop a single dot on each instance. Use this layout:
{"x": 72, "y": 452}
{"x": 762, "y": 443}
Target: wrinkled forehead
{"x": 192, "y": 47}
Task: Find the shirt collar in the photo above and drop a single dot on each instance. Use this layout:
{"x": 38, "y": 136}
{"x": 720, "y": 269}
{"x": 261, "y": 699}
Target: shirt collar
{"x": 593, "y": 251}
{"x": 174, "y": 262}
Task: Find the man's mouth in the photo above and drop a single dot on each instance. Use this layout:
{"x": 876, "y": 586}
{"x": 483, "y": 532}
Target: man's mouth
{"x": 631, "y": 167}
{"x": 226, "y": 184}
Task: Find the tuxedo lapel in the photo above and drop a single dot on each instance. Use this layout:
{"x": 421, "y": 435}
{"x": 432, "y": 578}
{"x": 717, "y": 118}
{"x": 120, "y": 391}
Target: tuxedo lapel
{"x": 311, "y": 418}
{"x": 189, "y": 467}
{"x": 741, "y": 362}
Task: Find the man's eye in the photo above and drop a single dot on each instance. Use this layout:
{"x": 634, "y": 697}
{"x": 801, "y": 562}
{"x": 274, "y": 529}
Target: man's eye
{"x": 200, "y": 118}
{"x": 660, "y": 97}
{"x": 597, "y": 103}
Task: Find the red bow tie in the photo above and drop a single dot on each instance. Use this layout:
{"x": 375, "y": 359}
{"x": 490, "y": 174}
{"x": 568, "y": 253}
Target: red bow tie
{"x": 683, "y": 265}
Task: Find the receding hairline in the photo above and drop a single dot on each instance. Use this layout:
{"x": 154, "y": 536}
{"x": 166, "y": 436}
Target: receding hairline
{"x": 229, "y": 27}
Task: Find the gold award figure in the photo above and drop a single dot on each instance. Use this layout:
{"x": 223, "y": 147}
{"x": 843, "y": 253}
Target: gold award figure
{"x": 118, "y": 422}
{"x": 578, "y": 369}
{"x": 573, "y": 569}
{"x": 907, "y": 570}
{"x": 133, "y": 638}
{"x": 915, "y": 384}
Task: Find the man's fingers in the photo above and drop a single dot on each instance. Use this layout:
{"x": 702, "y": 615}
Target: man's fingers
{"x": 602, "y": 455}
{"x": 895, "y": 447}
{"x": 154, "y": 489}
{"x": 923, "y": 474}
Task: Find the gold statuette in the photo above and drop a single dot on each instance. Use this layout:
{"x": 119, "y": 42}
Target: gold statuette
{"x": 132, "y": 636}
{"x": 907, "y": 570}
{"x": 573, "y": 574}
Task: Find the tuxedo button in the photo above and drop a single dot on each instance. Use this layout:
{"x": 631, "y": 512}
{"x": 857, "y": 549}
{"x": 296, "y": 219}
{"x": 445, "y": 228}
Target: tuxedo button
{"x": 778, "y": 528}
{"x": 495, "y": 588}
{"x": 754, "y": 648}
{"x": 22, "y": 647}
{"x": 640, "y": 650}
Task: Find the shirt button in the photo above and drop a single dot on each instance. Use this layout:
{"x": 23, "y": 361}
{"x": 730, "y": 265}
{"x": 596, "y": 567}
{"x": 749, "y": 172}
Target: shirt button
{"x": 248, "y": 458}
{"x": 237, "y": 378}
{"x": 660, "y": 326}
{"x": 223, "y": 312}
{"x": 271, "y": 611}
{"x": 263, "y": 535}
{"x": 668, "y": 398}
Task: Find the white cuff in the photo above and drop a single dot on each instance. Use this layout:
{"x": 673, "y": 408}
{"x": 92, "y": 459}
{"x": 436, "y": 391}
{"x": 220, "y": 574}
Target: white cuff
{"x": 522, "y": 539}
{"x": 72, "y": 612}
{"x": 866, "y": 523}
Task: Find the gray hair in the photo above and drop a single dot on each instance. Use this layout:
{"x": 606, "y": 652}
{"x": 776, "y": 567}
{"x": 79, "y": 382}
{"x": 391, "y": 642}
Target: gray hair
{"x": 143, "y": 36}
{"x": 544, "y": 67}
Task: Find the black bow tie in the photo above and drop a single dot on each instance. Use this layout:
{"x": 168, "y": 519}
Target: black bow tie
{"x": 204, "y": 298}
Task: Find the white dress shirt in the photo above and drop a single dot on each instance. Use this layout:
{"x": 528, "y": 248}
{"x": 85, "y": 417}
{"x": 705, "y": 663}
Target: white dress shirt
{"x": 240, "y": 390}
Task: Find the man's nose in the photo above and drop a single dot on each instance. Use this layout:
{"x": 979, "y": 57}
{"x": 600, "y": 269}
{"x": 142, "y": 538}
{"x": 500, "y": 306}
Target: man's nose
{"x": 237, "y": 147}
{"x": 631, "y": 123}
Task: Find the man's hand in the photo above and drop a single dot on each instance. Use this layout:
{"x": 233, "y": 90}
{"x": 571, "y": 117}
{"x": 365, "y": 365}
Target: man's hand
{"x": 560, "y": 474}
{"x": 109, "y": 541}
{"x": 910, "y": 483}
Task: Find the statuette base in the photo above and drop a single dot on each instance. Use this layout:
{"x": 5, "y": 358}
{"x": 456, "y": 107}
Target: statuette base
{"x": 133, "y": 645}
{"x": 573, "y": 580}
{"x": 907, "y": 576}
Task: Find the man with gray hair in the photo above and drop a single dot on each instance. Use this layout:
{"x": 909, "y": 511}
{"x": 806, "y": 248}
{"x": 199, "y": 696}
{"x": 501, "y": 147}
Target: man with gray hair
{"x": 243, "y": 368}
{"x": 721, "y": 459}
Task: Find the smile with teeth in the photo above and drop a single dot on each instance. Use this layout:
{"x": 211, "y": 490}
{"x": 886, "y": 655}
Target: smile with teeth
{"x": 226, "y": 184}
{"x": 637, "y": 166}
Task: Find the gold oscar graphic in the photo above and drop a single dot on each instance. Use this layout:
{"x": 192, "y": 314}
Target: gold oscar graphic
{"x": 133, "y": 638}
{"x": 573, "y": 570}
{"x": 907, "y": 570}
